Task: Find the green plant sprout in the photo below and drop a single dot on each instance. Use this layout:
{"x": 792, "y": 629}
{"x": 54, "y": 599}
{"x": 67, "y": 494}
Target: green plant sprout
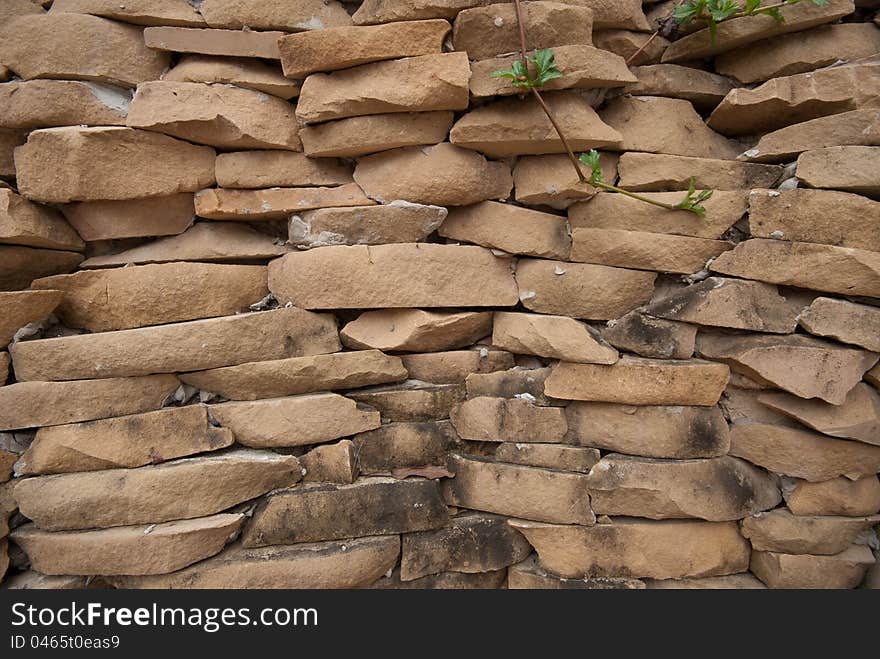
{"x": 713, "y": 12}
{"x": 692, "y": 201}
{"x": 545, "y": 68}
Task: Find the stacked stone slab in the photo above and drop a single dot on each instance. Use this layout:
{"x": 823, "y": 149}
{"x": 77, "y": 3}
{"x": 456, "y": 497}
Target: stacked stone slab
{"x": 322, "y": 303}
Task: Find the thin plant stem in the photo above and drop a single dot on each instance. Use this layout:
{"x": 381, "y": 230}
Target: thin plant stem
{"x": 627, "y": 193}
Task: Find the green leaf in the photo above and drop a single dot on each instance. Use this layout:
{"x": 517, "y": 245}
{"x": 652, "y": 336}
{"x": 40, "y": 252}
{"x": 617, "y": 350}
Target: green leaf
{"x": 518, "y": 74}
{"x": 688, "y": 11}
{"x": 592, "y": 160}
{"x": 775, "y": 13}
{"x": 752, "y": 5}
{"x": 545, "y": 65}
{"x": 721, "y": 10}
{"x": 693, "y": 202}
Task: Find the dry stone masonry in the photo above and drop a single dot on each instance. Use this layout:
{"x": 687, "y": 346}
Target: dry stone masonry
{"x": 297, "y": 294}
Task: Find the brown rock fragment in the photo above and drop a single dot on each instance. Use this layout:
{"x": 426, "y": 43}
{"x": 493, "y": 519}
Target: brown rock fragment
{"x": 286, "y": 169}
{"x": 19, "y": 308}
{"x": 182, "y": 489}
{"x": 19, "y": 266}
{"x": 509, "y": 228}
{"x": 25, "y": 223}
{"x": 134, "y": 550}
{"x": 131, "y": 218}
{"x": 651, "y": 337}
{"x": 518, "y": 491}
{"x": 403, "y": 275}
{"x": 857, "y": 324}
{"x": 32, "y": 404}
{"x": 548, "y": 180}
{"x": 702, "y": 88}
{"x": 294, "y": 420}
{"x": 331, "y": 463}
{"x": 646, "y": 172}
{"x": 454, "y": 366}
{"x": 848, "y": 168}
{"x": 412, "y": 400}
{"x": 587, "y": 291}
{"x": 508, "y": 420}
{"x": 122, "y": 298}
{"x": 406, "y": 444}
{"x": 528, "y": 575}
{"x": 844, "y": 570}
{"x": 838, "y": 496}
{"x": 247, "y": 73}
{"x": 138, "y": 12}
{"x": 412, "y": 84}
{"x": 677, "y": 432}
{"x": 669, "y": 549}
{"x": 397, "y": 222}
{"x": 127, "y": 441}
{"x": 780, "y": 531}
{"x": 414, "y": 330}
{"x": 359, "y": 136}
{"x": 629, "y": 44}
{"x": 548, "y": 456}
{"x": 47, "y": 103}
{"x": 510, "y": 383}
{"x": 87, "y": 164}
{"x": 555, "y": 337}
{"x": 9, "y": 140}
{"x": 274, "y": 14}
{"x": 638, "y": 381}
{"x": 371, "y": 506}
{"x": 274, "y": 203}
{"x": 299, "y": 375}
{"x": 229, "y": 43}
{"x": 445, "y": 175}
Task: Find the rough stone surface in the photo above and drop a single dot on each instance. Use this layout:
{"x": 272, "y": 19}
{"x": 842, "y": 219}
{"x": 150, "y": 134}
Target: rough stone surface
{"x": 509, "y": 228}
{"x": 371, "y": 506}
{"x": 445, "y": 175}
{"x": 19, "y": 266}
{"x": 405, "y": 444}
{"x": 285, "y": 169}
{"x": 131, "y": 218}
{"x": 638, "y": 381}
{"x": 651, "y": 337}
{"x": 224, "y": 116}
{"x": 274, "y": 14}
{"x": 412, "y": 400}
{"x": 181, "y": 489}
{"x": 802, "y": 365}
{"x": 138, "y": 12}
{"x": 404, "y": 275}
{"x": 123, "y": 298}
{"x": 247, "y": 73}
{"x": 229, "y": 43}
{"x": 670, "y": 549}
{"x": 331, "y": 463}
{"x": 556, "y": 337}
{"x": 128, "y": 441}
{"x": 453, "y": 367}
{"x": 857, "y": 324}
{"x": 414, "y": 330}
{"x": 412, "y": 84}
{"x": 529, "y": 575}
{"x": 802, "y": 453}
{"x": 579, "y": 290}
{"x": 359, "y": 136}
{"x": 295, "y": 420}
{"x": 192, "y": 346}
{"x": 18, "y": 308}
{"x": 844, "y": 570}
{"x": 653, "y": 172}
{"x": 780, "y": 531}
{"x": 508, "y": 419}
{"x": 548, "y": 456}
{"x": 299, "y": 375}
{"x": 848, "y": 168}
{"x": 518, "y": 491}
{"x": 676, "y": 432}
{"x": 702, "y": 88}
{"x": 88, "y": 164}
{"x": 547, "y": 180}
{"x": 397, "y": 222}
{"x": 274, "y": 203}
{"x": 838, "y": 496}
{"x": 127, "y": 550}
{"x": 47, "y": 103}
{"x": 32, "y": 404}
{"x": 629, "y": 44}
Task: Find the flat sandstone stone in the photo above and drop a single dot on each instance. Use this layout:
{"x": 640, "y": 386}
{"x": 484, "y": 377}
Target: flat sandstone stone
{"x": 283, "y": 169}
{"x": 359, "y": 136}
{"x": 645, "y": 336}
{"x": 848, "y": 168}
{"x": 18, "y": 308}
{"x": 857, "y": 324}
{"x": 405, "y": 444}
{"x": 228, "y": 43}
{"x": 414, "y": 330}
{"x": 137, "y": 12}
{"x": 247, "y": 73}
{"x": 19, "y": 266}
{"x": 780, "y": 531}
{"x": 838, "y": 496}
{"x": 844, "y": 570}
{"x": 702, "y": 88}
{"x": 508, "y": 420}
{"x": 555, "y": 337}
{"x": 274, "y": 14}
{"x": 47, "y": 103}
{"x": 412, "y": 400}
{"x": 454, "y": 366}
{"x": 274, "y": 203}
{"x": 32, "y": 225}
{"x": 653, "y": 172}
{"x": 131, "y": 218}
{"x": 331, "y": 463}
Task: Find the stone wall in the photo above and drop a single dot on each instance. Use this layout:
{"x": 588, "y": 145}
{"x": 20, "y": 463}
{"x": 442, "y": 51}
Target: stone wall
{"x": 296, "y": 294}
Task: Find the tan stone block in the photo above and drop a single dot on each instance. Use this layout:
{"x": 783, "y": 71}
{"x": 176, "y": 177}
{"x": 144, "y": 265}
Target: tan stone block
{"x": 274, "y": 14}
{"x": 128, "y": 441}
{"x": 19, "y": 308}
{"x": 89, "y": 164}
{"x": 489, "y": 31}
{"x": 677, "y": 432}
{"x": 205, "y": 241}
{"x": 780, "y": 531}
{"x": 548, "y": 456}
{"x": 397, "y": 222}
{"x": 123, "y": 298}
{"x": 716, "y": 489}
{"x": 337, "y": 48}
{"x": 838, "y": 496}
{"x": 508, "y": 420}
{"x": 514, "y": 126}
{"x": 733, "y": 303}
{"x": 702, "y": 88}
{"x": 403, "y": 275}
{"x": 182, "y": 489}
{"x": 359, "y": 136}
{"x": 414, "y": 330}
{"x": 135, "y": 550}
{"x": 445, "y": 175}
{"x": 352, "y": 563}
{"x": 629, "y": 44}
{"x": 555, "y": 337}
{"x": 19, "y": 266}
{"x": 294, "y": 420}
{"x": 412, "y": 84}
{"x": 247, "y": 73}
{"x": 9, "y": 140}
{"x": 582, "y": 67}
{"x": 131, "y": 218}
{"x": 510, "y": 384}
{"x": 802, "y": 365}
{"x": 13, "y": 8}
{"x": 586, "y": 291}
{"x": 371, "y": 506}
{"x": 192, "y": 346}
{"x": 817, "y": 267}
{"x": 405, "y": 444}
{"x": 509, "y": 228}
{"x": 651, "y": 337}
{"x": 331, "y": 463}
{"x": 618, "y": 212}
{"x": 228, "y": 43}
{"x": 528, "y": 575}
{"x": 412, "y": 400}
{"x": 264, "y": 169}
{"x": 669, "y": 549}
{"x": 299, "y": 375}
{"x": 857, "y": 324}
{"x": 666, "y": 125}
{"x": 472, "y": 543}
{"x": 844, "y": 570}
{"x": 32, "y": 404}
{"x": 518, "y": 491}
{"x": 549, "y": 180}
{"x": 745, "y": 30}
{"x": 647, "y": 172}
{"x": 46, "y": 103}
{"x": 79, "y": 47}
{"x": 138, "y": 12}
{"x": 815, "y": 216}
{"x": 848, "y": 168}
{"x": 638, "y": 381}
{"x": 25, "y": 223}
{"x": 453, "y": 367}
{"x": 274, "y": 203}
